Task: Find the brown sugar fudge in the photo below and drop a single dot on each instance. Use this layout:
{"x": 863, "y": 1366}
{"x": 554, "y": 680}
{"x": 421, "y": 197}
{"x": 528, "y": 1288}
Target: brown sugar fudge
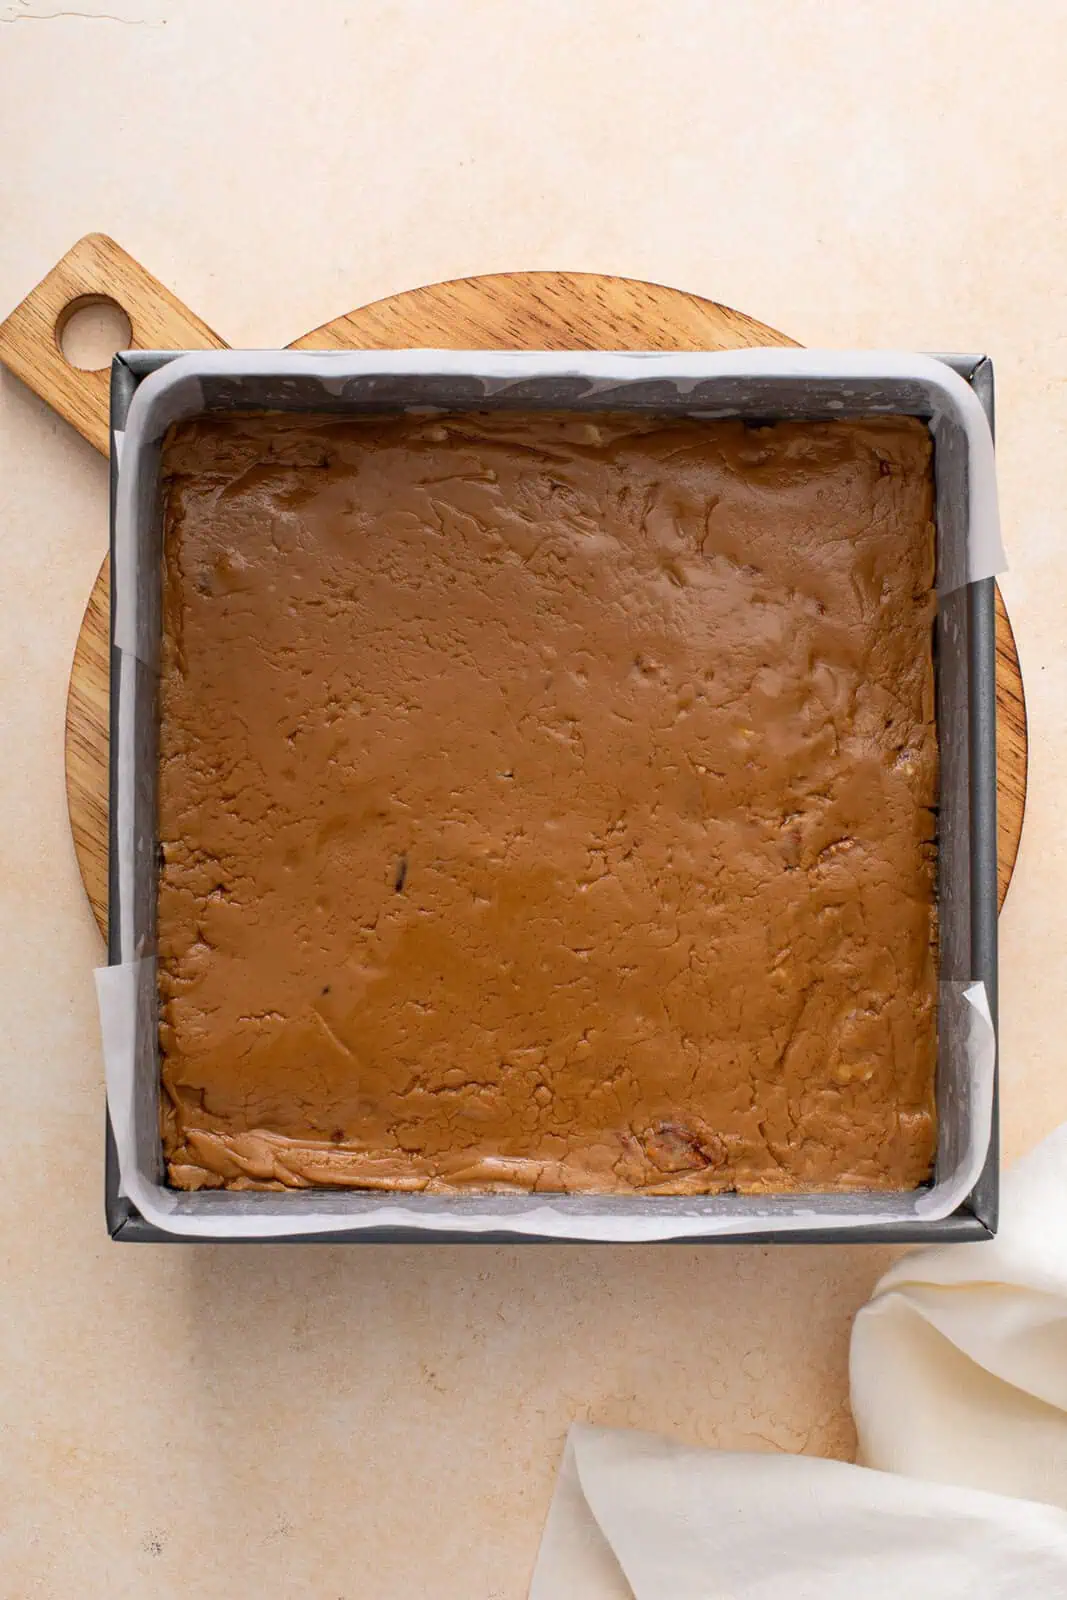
{"x": 547, "y": 802}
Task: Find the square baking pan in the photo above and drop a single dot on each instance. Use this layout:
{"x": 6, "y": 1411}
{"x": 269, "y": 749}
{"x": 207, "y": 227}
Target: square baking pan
{"x": 150, "y": 390}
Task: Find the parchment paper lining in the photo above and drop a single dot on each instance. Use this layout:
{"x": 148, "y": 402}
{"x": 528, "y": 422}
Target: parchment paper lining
{"x": 766, "y": 383}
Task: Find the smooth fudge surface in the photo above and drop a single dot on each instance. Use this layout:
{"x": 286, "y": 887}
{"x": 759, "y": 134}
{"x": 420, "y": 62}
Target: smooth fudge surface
{"x": 548, "y": 802}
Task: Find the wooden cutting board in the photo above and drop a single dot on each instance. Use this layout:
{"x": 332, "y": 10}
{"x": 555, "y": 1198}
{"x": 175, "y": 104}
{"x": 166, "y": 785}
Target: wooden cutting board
{"x": 513, "y": 310}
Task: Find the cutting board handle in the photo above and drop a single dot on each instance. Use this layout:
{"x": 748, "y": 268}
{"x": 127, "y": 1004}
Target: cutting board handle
{"x": 96, "y": 270}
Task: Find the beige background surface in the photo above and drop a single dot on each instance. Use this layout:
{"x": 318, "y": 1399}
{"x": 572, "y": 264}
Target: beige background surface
{"x": 351, "y": 1423}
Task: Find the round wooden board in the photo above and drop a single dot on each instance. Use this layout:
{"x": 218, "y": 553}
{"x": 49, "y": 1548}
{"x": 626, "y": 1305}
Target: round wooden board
{"x": 515, "y": 311}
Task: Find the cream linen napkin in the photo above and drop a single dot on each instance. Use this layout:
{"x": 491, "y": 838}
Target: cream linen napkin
{"x": 636, "y": 1517}
{"x": 959, "y": 1362}
{"x": 959, "y": 1374}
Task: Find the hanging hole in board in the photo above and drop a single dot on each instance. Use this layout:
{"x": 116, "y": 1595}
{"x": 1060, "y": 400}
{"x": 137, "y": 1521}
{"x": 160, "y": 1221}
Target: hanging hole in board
{"x": 90, "y": 330}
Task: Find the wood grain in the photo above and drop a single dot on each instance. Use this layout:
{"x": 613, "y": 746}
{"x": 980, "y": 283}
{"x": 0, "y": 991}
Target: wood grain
{"x": 521, "y": 310}
{"x": 542, "y": 311}
{"x": 1012, "y": 750}
{"x": 86, "y": 744}
{"x": 96, "y": 270}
